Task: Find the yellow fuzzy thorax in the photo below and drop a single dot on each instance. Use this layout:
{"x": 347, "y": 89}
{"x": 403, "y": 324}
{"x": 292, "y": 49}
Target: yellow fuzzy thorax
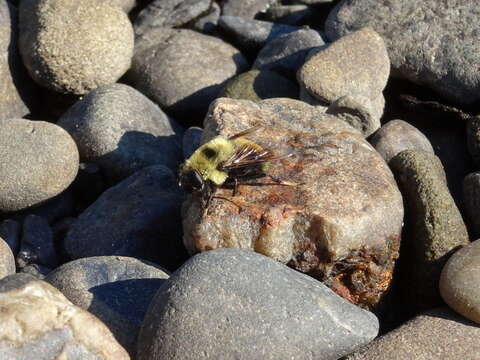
{"x": 206, "y": 159}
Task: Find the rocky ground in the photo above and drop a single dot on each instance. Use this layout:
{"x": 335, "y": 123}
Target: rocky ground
{"x": 368, "y": 250}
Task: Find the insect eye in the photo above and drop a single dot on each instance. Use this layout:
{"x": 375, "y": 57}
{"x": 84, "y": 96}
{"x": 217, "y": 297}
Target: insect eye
{"x": 209, "y": 153}
{"x": 191, "y": 181}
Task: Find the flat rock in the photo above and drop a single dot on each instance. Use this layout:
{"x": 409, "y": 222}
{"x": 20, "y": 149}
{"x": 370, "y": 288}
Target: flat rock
{"x": 233, "y": 313}
{"x": 188, "y": 82}
{"x": 169, "y": 13}
{"x": 356, "y": 64}
{"x": 39, "y": 160}
{"x": 120, "y": 129}
{"x": 288, "y": 52}
{"x": 257, "y": 85}
{"x": 251, "y": 35}
{"x": 396, "y": 136}
{"x": 436, "y": 334}
{"x": 459, "y": 281}
{"x": 138, "y": 217}
{"x": 347, "y": 199}
{"x": 245, "y": 8}
{"x": 116, "y": 289}
{"x": 471, "y": 200}
{"x": 7, "y": 260}
{"x": 434, "y": 228}
{"x": 35, "y": 316}
{"x": 74, "y": 47}
{"x": 435, "y": 40}
{"x": 17, "y": 88}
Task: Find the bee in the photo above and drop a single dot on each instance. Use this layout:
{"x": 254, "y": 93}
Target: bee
{"x": 227, "y": 162}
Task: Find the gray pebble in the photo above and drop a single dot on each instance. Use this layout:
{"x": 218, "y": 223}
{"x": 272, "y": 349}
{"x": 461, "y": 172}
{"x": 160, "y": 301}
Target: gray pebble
{"x": 245, "y": 8}
{"x": 208, "y": 22}
{"x": 39, "y": 160}
{"x": 73, "y": 47}
{"x": 7, "y": 260}
{"x": 429, "y": 42}
{"x": 251, "y": 35}
{"x": 188, "y": 82}
{"x": 118, "y": 128}
{"x": 288, "y": 14}
{"x": 115, "y": 289}
{"x": 169, "y": 13}
{"x": 288, "y": 52}
{"x": 138, "y": 217}
{"x": 396, "y": 136}
{"x": 471, "y": 198}
{"x": 36, "y": 270}
{"x": 237, "y": 304}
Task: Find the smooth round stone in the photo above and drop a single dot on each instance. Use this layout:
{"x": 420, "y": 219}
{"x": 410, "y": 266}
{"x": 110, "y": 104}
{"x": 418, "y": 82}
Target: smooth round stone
{"x": 169, "y": 13}
{"x": 74, "y": 46}
{"x": 188, "y": 82}
{"x": 459, "y": 281}
{"x": 120, "y": 129}
{"x": 115, "y": 289}
{"x": 17, "y": 87}
{"x": 248, "y": 306}
{"x": 138, "y": 217}
{"x": 244, "y": 8}
{"x": 435, "y": 225}
{"x": 37, "y": 319}
{"x": 7, "y": 260}
{"x": 288, "y": 52}
{"x": 39, "y": 160}
{"x": 356, "y": 64}
{"x": 257, "y": 85}
{"x": 288, "y": 14}
{"x": 471, "y": 200}
{"x": 426, "y": 40}
{"x": 396, "y": 136}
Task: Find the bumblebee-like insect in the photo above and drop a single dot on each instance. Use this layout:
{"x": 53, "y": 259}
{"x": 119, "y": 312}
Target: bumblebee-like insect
{"x": 226, "y": 162}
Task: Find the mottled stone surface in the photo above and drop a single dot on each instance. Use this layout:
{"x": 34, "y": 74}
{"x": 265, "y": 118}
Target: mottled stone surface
{"x": 138, "y": 217}
{"x": 276, "y": 316}
{"x": 435, "y": 226}
{"x": 471, "y": 199}
{"x": 244, "y": 8}
{"x": 169, "y": 13}
{"x": 396, "y": 136}
{"x": 188, "y": 82}
{"x": 35, "y": 316}
{"x": 74, "y": 46}
{"x": 39, "y": 160}
{"x": 436, "y": 334}
{"x": 257, "y": 85}
{"x": 347, "y": 208}
{"x": 116, "y": 289}
{"x": 429, "y": 42}
{"x": 120, "y": 129}
{"x": 288, "y": 14}
{"x": 459, "y": 281}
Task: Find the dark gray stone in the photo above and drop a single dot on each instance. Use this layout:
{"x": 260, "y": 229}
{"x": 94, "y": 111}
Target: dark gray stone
{"x": 74, "y": 47}
{"x": 429, "y": 42}
{"x": 473, "y": 139}
{"x": 36, "y": 270}
{"x": 396, "y": 136}
{"x": 118, "y": 128}
{"x": 188, "y": 82}
{"x": 191, "y": 141}
{"x": 208, "y": 22}
{"x": 139, "y": 217}
{"x": 115, "y": 289}
{"x": 248, "y": 306}
{"x": 435, "y": 334}
{"x": 257, "y": 85}
{"x": 289, "y": 14}
{"x": 37, "y": 246}
{"x": 7, "y": 260}
{"x": 17, "y": 88}
{"x": 245, "y": 8}
{"x": 10, "y": 232}
{"x": 169, "y": 13}
{"x": 471, "y": 198}
{"x": 434, "y": 226}
{"x": 39, "y": 160}
{"x": 287, "y": 53}
{"x": 251, "y": 35}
